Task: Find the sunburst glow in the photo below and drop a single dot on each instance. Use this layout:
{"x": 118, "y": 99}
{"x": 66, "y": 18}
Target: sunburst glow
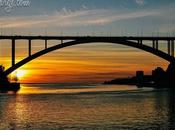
{"x": 19, "y": 74}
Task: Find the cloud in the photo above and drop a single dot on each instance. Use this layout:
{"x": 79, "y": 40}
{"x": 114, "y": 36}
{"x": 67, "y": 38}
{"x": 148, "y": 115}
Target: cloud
{"x": 140, "y": 2}
{"x": 69, "y": 18}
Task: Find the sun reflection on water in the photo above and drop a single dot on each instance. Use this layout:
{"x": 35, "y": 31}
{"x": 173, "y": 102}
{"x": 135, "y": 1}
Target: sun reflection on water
{"x": 61, "y": 90}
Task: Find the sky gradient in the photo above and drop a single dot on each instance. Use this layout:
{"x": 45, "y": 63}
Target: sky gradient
{"x": 91, "y": 62}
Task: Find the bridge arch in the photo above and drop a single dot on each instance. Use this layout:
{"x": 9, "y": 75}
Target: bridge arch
{"x": 146, "y": 48}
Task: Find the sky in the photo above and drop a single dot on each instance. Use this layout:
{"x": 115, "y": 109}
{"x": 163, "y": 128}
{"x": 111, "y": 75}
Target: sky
{"x": 90, "y": 62}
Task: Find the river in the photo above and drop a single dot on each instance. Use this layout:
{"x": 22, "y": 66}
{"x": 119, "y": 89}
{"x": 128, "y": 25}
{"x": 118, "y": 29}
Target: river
{"x": 61, "y": 106}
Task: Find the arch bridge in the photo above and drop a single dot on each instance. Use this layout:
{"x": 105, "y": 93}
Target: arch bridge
{"x": 66, "y": 41}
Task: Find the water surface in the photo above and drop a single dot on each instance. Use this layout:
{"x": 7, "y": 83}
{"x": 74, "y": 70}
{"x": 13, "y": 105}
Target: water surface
{"x": 53, "y": 106}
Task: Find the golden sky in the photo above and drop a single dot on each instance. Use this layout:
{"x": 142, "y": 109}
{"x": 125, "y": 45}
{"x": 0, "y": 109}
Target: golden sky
{"x": 89, "y": 63}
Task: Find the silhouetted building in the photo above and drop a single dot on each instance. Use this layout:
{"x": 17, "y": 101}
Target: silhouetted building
{"x": 159, "y": 75}
{"x": 158, "y": 72}
{"x": 139, "y": 74}
{"x": 158, "y": 79}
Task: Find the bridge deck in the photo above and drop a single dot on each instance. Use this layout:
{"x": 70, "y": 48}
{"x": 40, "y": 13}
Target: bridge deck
{"x": 84, "y": 37}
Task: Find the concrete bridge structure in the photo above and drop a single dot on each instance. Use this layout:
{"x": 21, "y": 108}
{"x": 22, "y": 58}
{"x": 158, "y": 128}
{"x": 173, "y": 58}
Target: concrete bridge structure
{"x": 66, "y": 41}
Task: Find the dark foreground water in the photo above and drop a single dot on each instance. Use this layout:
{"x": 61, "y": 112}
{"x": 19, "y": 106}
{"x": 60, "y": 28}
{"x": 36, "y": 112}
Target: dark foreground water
{"x": 47, "y": 107}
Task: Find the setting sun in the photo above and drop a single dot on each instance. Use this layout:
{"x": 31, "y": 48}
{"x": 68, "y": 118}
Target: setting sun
{"x": 21, "y": 73}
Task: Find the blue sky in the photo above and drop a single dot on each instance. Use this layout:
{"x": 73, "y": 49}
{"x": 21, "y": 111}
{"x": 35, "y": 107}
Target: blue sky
{"x": 95, "y": 17}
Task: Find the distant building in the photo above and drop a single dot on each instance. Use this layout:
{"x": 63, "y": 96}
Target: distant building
{"x": 158, "y": 72}
{"x": 139, "y": 74}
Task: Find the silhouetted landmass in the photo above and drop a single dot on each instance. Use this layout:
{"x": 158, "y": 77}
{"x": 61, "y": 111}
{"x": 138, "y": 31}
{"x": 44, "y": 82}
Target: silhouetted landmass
{"x": 158, "y": 79}
{"x": 5, "y": 84}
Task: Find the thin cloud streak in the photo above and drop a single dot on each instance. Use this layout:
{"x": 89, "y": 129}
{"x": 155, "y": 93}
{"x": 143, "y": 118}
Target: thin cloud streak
{"x": 140, "y": 2}
{"x": 68, "y": 18}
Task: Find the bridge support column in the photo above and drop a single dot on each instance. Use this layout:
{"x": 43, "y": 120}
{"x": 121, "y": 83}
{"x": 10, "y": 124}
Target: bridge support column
{"x": 30, "y": 47}
{"x": 172, "y": 48}
{"x": 45, "y": 44}
{"x": 157, "y": 44}
{"x": 140, "y": 41}
{"x": 170, "y": 73}
{"x": 13, "y": 52}
{"x": 154, "y": 44}
{"x": 169, "y": 47}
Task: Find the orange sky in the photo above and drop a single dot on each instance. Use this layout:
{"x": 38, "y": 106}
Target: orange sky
{"x": 90, "y": 63}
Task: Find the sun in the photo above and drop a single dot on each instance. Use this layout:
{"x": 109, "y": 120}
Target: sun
{"x": 21, "y": 73}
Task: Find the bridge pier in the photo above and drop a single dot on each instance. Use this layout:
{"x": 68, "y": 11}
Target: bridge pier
{"x": 30, "y": 47}
{"x": 171, "y": 71}
{"x": 172, "y": 48}
{"x": 140, "y": 41}
{"x": 13, "y": 52}
{"x": 169, "y": 47}
{"x": 157, "y": 44}
{"x": 154, "y": 44}
{"x": 46, "y": 44}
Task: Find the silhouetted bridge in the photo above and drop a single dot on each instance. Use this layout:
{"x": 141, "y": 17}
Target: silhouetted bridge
{"x": 65, "y": 41}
